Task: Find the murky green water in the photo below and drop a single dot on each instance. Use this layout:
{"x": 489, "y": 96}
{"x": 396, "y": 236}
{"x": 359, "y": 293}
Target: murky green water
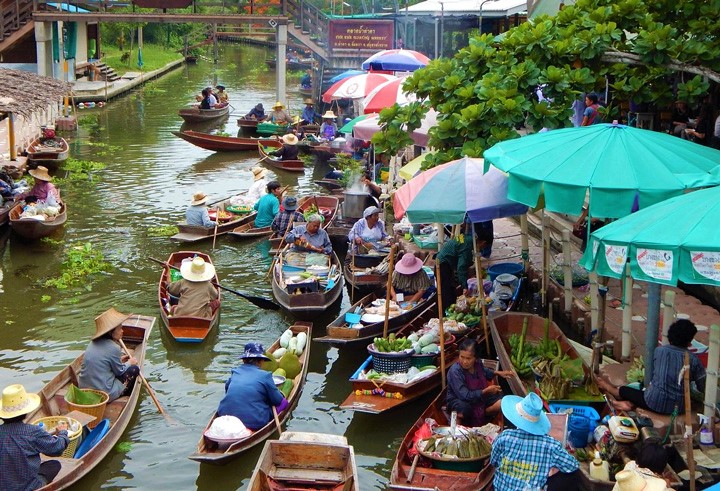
{"x": 147, "y": 183}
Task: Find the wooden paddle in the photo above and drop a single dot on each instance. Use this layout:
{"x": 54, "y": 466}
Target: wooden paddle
{"x": 277, "y": 420}
{"x": 263, "y": 303}
{"x": 217, "y": 220}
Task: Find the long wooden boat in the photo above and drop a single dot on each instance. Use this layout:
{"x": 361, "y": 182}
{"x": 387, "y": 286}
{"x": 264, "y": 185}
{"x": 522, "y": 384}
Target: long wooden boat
{"x": 407, "y": 475}
{"x": 264, "y": 148}
{"x": 197, "y": 115}
{"x": 311, "y": 461}
{"x": 48, "y": 152}
{"x": 5, "y": 211}
{"x": 29, "y": 228}
{"x": 249, "y": 231}
{"x": 196, "y": 233}
{"x": 185, "y": 329}
{"x": 300, "y": 300}
{"x": 209, "y": 452}
{"x": 302, "y": 64}
{"x": 248, "y": 125}
{"x": 136, "y": 330}
{"x": 217, "y": 143}
{"x": 339, "y": 332}
{"x": 362, "y": 280}
{"x": 327, "y": 206}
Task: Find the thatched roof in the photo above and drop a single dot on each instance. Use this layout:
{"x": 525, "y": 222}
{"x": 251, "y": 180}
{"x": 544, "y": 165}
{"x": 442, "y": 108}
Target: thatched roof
{"x": 25, "y": 92}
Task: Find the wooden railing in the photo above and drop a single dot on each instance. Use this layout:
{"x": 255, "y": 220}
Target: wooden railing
{"x": 309, "y": 18}
{"x": 14, "y": 14}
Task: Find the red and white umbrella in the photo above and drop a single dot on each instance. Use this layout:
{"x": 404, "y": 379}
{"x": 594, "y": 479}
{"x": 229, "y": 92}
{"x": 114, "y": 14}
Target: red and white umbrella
{"x": 386, "y": 95}
{"x": 397, "y": 60}
{"x": 356, "y": 87}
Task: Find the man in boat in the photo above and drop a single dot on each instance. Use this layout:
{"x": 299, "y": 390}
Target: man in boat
{"x": 455, "y": 257}
{"x": 268, "y": 206}
{"x": 250, "y": 391}
{"x": 197, "y": 213}
{"x": 306, "y": 80}
{"x": 368, "y": 232}
{"x": 328, "y": 129}
{"x": 289, "y": 215}
{"x": 21, "y": 444}
{"x": 308, "y": 113}
{"x": 257, "y": 113}
{"x": 527, "y": 457}
{"x": 222, "y": 96}
{"x": 198, "y": 296}
{"x": 280, "y": 115}
{"x": 105, "y": 367}
{"x": 289, "y": 150}
{"x": 310, "y": 237}
{"x": 43, "y": 189}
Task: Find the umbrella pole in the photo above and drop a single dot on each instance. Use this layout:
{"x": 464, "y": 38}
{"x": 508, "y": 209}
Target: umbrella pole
{"x": 651, "y": 334}
{"x": 668, "y": 314}
{"x": 627, "y": 315}
{"x": 481, "y": 290}
{"x": 525, "y": 251}
{"x": 388, "y": 294}
{"x": 440, "y": 318}
{"x": 688, "y": 421}
{"x": 711, "y": 388}
{"x": 546, "y": 254}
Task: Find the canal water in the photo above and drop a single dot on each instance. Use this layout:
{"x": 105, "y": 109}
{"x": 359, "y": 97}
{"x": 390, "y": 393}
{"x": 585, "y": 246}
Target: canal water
{"x": 148, "y": 181}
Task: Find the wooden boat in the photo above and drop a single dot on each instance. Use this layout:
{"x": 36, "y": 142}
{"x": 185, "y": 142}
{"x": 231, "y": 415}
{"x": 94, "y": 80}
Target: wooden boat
{"x": 197, "y": 115}
{"x": 311, "y": 297}
{"x": 136, "y": 330}
{"x": 29, "y": 228}
{"x": 248, "y": 124}
{"x": 327, "y": 206}
{"x": 264, "y": 148}
{"x": 208, "y": 451}
{"x": 306, "y": 91}
{"x": 409, "y": 476}
{"x": 249, "y": 231}
{"x": 362, "y": 280}
{"x": 5, "y": 211}
{"x": 302, "y": 64}
{"x": 311, "y": 461}
{"x": 218, "y": 143}
{"x": 196, "y": 233}
{"x": 50, "y": 152}
{"x": 329, "y": 184}
{"x": 185, "y": 329}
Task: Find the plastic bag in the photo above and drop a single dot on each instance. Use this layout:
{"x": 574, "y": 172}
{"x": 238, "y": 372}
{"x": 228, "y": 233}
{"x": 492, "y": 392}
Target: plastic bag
{"x": 461, "y": 304}
{"x": 227, "y": 428}
{"x": 423, "y": 433}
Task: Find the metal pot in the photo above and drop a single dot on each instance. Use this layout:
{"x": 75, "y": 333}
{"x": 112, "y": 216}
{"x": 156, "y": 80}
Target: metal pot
{"x": 338, "y": 143}
{"x": 354, "y": 203}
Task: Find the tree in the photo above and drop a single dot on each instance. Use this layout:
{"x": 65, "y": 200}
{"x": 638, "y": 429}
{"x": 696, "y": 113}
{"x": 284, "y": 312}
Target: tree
{"x": 645, "y": 51}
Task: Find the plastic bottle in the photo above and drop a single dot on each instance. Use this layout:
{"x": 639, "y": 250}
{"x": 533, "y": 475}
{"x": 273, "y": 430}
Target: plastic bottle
{"x": 41, "y": 425}
{"x": 599, "y": 468}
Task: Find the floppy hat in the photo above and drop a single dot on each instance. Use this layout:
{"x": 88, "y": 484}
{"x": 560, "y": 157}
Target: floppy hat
{"x": 634, "y": 480}
{"x": 308, "y": 101}
{"x": 278, "y": 104}
{"x": 199, "y": 198}
{"x": 290, "y": 203}
{"x": 370, "y": 210}
{"x": 40, "y": 173}
{"x": 258, "y": 172}
{"x": 107, "y": 321}
{"x": 220, "y": 87}
{"x": 290, "y": 139}
{"x": 526, "y": 413}
{"x": 196, "y": 269}
{"x": 16, "y": 402}
{"x": 254, "y": 350}
{"x": 409, "y": 264}
{"x": 329, "y": 115}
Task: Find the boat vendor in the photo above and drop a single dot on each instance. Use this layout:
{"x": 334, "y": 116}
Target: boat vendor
{"x": 368, "y": 232}
{"x": 198, "y": 296}
{"x": 409, "y": 279}
{"x": 455, "y": 257}
{"x": 43, "y": 189}
{"x": 306, "y": 79}
{"x": 308, "y": 113}
{"x": 525, "y": 457}
{"x": 250, "y": 391}
{"x": 328, "y": 129}
{"x": 197, "y": 213}
{"x": 257, "y": 113}
{"x": 310, "y": 237}
{"x": 280, "y": 115}
{"x": 258, "y": 186}
{"x": 105, "y": 367}
{"x": 222, "y": 96}
{"x": 289, "y": 215}
{"x": 289, "y": 150}
{"x": 470, "y": 391}
{"x": 269, "y": 205}
{"x": 663, "y": 394}
{"x": 21, "y": 444}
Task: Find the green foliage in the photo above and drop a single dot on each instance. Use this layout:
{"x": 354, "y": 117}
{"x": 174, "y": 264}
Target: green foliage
{"x": 102, "y": 149}
{"x": 123, "y": 447}
{"x": 154, "y": 57}
{"x": 352, "y": 169}
{"x": 80, "y": 264}
{"x": 79, "y": 170}
{"x": 45, "y": 298}
{"x": 162, "y": 231}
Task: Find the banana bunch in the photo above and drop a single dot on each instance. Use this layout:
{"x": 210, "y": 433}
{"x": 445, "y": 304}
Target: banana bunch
{"x": 381, "y": 268}
{"x": 591, "y": 387}
{"x": 466, "y": 446}
{"x": 554, "y": 385}
{"x": 392, "y": 344}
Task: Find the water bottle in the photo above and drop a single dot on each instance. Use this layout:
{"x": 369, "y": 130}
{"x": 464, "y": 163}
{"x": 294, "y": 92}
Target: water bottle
{"x": 41, "y": 425}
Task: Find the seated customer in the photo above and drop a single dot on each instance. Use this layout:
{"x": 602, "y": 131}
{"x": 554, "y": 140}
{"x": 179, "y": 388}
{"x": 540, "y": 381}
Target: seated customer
{"x": 664, "y": 393}
{"x": 105, "y": 367}
{"x": 269, "y": 205}
{"x": 250, "y": 391}
{"x": 198, "y": 296}
{"x": 197, "y": 213}
{"x": 310, "y": 237}
{"x": 410, "y": 279}
{"x": 284, "y": 220}
{"x": 21, "y": 444}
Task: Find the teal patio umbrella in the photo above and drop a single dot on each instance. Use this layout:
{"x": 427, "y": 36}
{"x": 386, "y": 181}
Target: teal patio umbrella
{"x": 348, "y": 127}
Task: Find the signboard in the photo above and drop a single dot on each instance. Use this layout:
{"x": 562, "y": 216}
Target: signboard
{"x": 365, "y": 34}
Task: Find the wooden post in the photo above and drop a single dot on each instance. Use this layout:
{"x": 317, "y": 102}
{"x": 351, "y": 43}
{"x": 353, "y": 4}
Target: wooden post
{"x": 627, "y": 315}
{"x": 567, "y": 270}
{"x": 525, "y": 247}
{"x": 594, "y": 300}
{"x": 481, "y": 290}
{"x": 11, "y": 136}
{"x": 668, "y": 314}
{"x": 388, "y": 295}
{"x": 545, "y": 266}
{"x": 711, "y": 388}
{"x": 688, "y": 423}
{"x": 440, "y": 318}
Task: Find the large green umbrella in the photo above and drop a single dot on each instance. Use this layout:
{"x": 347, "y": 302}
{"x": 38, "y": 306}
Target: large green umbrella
{"x": 617, "y": 164}
{"x": 348, "y": 127}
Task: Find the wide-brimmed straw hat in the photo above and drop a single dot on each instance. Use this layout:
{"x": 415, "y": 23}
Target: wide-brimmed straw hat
{"x": 526, "y": 413}
{"x": 290, "y": 203}
{"x": 254, "y": 350}
{"x": 258, "y": 172}
{"x": 40, "y": 173}
{"x": 290, "y": 139}
{"x": 16, "y": 402}
{"x": 199, "y": 198}
{"x": 633, "y": 480}
{"x": 278, "y": 104}
{"x": 329, "y": 115}
{"x": 196, "y": 269}
{"x": 409, "y": 264}
{"x": 308, "y": 101}
{"x": 107, "y": 321}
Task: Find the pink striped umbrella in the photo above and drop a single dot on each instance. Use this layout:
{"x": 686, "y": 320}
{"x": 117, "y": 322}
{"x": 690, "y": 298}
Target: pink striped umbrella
{"x": 356, "y": 87}
{"x": 386, "y": 95}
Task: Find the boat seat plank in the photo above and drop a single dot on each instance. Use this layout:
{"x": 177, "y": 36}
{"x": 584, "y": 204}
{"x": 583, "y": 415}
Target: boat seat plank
{"x": 300, "y": 436}
{"x": 113, "y": 409}
{"x": 80, "y": 416}
{"x": 309, "y": 476}
{"x": 370, "y": 404}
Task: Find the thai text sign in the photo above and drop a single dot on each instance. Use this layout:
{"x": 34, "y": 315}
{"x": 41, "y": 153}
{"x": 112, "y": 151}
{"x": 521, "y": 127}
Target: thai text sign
{"x": 362, "y": 34}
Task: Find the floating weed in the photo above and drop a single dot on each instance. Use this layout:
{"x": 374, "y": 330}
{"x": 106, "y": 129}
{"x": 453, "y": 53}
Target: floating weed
{"x": 123, "y": 447}
{"x": 103, "y": 149}
{"x": 51, "y": 241}
{"x": 45, "y": 298}
{"x": 162, "y": 231}
{"x": 89, "y": 121}
{"x": 79, "y": 170}
{"x": 9, "y": 323}
{"x": 80, "y": 263}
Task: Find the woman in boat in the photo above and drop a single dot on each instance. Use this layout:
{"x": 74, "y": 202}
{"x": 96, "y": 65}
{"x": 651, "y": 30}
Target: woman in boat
{"x": 269, "y": 205}
{"x": 197, "y": 213}
{"x": 198, "y": 296}
{"x": 663, "y": 394}
{"x": 104, "y": 366}
{"x": 308, "y": 114}
{"x": 250, "y": 392}
{"x": 525, "y": 457}
{"x": 409, "y": 279}
{"x": 256, "y": 113}
{"x": 222, "y": 96}
{"x": 328, "y": 129}
{"x": 310, "y": 237}
{"x": 21, "y": 444}
{"x": 280, "y": 115}
{"x": 258, "y": 186}
{"x": 208, "y": 99}
{"x": 43, "y": 189}
{"x": 289, "y": 215}
{"x": 368, "y": 232}
{"x": 470, "y": 390}
{"x": 289, "y": 150}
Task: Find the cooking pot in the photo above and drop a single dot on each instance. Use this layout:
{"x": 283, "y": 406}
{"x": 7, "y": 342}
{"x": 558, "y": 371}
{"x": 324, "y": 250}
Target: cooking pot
{"x": 354, "y": 203}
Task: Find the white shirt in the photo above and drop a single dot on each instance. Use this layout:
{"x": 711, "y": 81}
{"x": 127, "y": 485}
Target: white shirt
{"x": 257, "y": 190}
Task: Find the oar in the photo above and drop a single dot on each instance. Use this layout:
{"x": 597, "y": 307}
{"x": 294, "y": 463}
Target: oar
{"x": 277, "y": 420}
{"x": 217, "y": 220}
{"x": 263, "y": 303}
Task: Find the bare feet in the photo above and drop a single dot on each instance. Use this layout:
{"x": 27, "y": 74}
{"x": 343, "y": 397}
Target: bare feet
{"x": 622, "y": 405}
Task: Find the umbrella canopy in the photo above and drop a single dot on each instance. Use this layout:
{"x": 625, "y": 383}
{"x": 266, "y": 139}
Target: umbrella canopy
{"x": 356, "y": 87}
{"x": 409, "y": 170}
{"x": 348, "y": 127}
{"x": 448, "y": 192}
{"x": 345, "y": 74}
{"x": 617, "y": 163}
{"x": 368, "y": 127}
{"x": 400, "y": 60}
{"x": 676, "y": 240}
{"x": 386, "y": 95}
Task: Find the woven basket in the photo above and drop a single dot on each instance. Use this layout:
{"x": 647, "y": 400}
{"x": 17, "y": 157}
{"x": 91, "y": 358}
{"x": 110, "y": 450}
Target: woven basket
{"x": 51, "y": 422}
{"x": 390, "y": 362}
{"x": 97, "y": 410}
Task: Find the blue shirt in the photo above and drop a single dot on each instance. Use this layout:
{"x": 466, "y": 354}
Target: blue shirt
{"x": 457, "y": 386}
{"x": 523, "y": 459}
{"x": 198, "y": 216}
{"x": 267, "y": 207}
{"x": 249, "y": 394}
{"x": 664, "y": 392}
{"x": 20, "y": 448}
{"x": 318, "y": 239}
{"x": 308, "y": 114}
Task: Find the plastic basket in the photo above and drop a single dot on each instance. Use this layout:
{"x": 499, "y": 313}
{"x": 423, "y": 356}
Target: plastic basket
{"x": 586, "y": 412}
{"x": 504, "y": 268}
{"x": 96, "y": 410}
{"x": 390, "y": 362}
{"x": 50, "y": 422}
{"x": 423, "y": 360}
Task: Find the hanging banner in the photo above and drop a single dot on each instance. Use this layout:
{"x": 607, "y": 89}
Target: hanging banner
{"x": 656, "y": 263}
{"x": 362, "y": 34}
{"x": 616, "y": 256}
{"x": 707, "y": 264}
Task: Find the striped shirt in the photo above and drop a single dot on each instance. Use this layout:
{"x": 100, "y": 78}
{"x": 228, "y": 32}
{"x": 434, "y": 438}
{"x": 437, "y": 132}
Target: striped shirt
{"x": 664, "y": 393}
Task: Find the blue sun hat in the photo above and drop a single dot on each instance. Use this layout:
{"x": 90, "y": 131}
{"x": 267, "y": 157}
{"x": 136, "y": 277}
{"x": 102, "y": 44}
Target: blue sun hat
{"x": 254, "y": 350}
{"x": 526, "y": 413}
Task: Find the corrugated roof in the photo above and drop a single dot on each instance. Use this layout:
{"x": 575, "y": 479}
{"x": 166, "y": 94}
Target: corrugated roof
{"x": 25, "y": 92}
{"x": 465, "y": 7}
